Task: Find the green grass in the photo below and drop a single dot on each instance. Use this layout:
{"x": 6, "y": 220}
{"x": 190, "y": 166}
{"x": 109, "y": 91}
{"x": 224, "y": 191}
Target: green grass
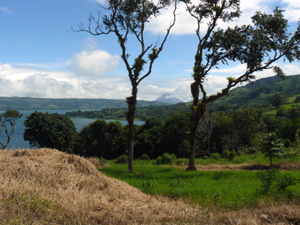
{"x": 224, "y": 189}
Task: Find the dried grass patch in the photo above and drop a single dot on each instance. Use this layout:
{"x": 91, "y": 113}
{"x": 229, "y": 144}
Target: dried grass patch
{"x": 49, "y": 186}
{"x": 245, "y": 166}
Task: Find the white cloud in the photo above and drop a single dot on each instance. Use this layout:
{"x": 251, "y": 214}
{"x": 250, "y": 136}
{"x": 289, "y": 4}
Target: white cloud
{"x": 5, "y": 10}
{"x": 102, "y": 2}
{"x": 93, "y": 61}
{"x": 185, "y": 24}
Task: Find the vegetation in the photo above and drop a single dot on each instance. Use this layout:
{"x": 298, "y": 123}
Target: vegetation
{"x": 50, "y": 130}
{"x": 127, "y": 20}
{"x": 9, "y": 117}
{"x": 234, "y": 189}
{"x": 142, "y": 113}
{"x": 26, "y": 103}
{"x": 258, "y": 46}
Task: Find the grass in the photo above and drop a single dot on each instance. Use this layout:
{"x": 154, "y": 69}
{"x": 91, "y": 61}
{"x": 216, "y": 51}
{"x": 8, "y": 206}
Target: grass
{"x": 45, "y": 186}
{"x": 222, "y": 189}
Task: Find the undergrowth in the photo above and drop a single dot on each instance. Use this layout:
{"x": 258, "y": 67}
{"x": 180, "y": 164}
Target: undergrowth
{"x": 221, "y": 189}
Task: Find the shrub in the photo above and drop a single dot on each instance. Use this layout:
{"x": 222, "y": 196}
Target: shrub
{"x": 165, "y": 159}
{"x": 181, "y": 162}
{"x": 215, "y": 156}
{"x": 144, "y": 157}
{"x": 229, "y": 154}
{"x": 232, "y": 155}
{"x": 272, "y": 181}
{"x": 123, "y": 159}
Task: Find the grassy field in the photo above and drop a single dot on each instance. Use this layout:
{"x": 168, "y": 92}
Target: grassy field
{"x": 228, "y": 189}
{"x": 45, "y": 186}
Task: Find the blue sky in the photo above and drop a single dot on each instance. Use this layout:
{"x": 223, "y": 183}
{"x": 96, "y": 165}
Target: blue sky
{"x": 40, "y": 58}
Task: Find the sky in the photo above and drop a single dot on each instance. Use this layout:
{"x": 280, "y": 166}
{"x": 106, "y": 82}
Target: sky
{"x": 40, "y": 57}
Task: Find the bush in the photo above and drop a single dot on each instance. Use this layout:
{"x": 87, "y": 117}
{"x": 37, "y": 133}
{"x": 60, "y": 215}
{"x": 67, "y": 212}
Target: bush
{"x": 229, "y": 154}
{"x": 181, "y": 162}
{"x": 144, "y": 157}
{"x": 272, "y": 181}
{"x": 123, "y": 159}
{"x": 215, "y": 156}
{"x": 165, "y": 159}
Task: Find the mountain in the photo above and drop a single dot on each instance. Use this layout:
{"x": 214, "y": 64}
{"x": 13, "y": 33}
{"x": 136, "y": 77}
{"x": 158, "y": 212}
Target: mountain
{"x": 259, "y": 93}
{"x": 26, "y": 103}
{"x": 168, "y": 98}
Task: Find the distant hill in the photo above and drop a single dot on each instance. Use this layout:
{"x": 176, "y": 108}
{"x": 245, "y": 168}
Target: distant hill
{"x": 259, "y": 93}
{"x": 25, "y": 103}
{"x": 168, "y": 98}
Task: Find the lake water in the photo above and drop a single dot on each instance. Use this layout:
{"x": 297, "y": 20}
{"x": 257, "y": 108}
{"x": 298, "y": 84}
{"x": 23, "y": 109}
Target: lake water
{"x": 17, "y": 140}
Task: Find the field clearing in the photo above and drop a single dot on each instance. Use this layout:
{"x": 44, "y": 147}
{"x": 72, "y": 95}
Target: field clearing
{"x": 45, "y": 186}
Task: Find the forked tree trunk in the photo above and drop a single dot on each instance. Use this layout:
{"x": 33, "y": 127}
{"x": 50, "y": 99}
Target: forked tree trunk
{"x": 131, "y": 102}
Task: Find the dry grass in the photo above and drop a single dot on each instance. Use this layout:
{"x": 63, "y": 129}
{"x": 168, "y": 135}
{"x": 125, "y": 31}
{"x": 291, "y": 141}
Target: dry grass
{"x": 46, "y": 186}
{"x": 245, "y": 166}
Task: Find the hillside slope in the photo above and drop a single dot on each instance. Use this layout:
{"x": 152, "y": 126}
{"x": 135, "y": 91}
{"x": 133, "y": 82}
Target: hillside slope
{"x": 259, "y": 93}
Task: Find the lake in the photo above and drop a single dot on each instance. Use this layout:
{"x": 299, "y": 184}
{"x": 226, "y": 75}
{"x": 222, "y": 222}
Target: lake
{"x": 17, "y": 140}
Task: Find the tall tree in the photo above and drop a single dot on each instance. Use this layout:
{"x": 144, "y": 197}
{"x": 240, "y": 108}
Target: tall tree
{"x": 257, "y": 46}
{"x": 127, "y": 19}
{"x": 9, "y": 117}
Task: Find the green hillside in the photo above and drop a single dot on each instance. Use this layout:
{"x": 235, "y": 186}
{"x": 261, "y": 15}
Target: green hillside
{"x": 18, "y": 103}
{"x": 259, "y": 93}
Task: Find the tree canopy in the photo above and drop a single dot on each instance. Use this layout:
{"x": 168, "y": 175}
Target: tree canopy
{"x": 256, "y": 46}
{"x": 50, "y": 130}
{"x": 127, "y": 20}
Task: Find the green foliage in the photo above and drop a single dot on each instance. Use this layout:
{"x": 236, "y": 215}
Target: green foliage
{"x": 144, "y": 157}
{"x": 277, "y": 100}
{"x": 101, "y": 139}
{"x": 9, "y": 117}
{"x": 222, "y": 189}
{"x": 143, "y": 111}
{"x": 26, "y": 103}
{"x": 215, "y": 156}
{"x": 258, "y": 94}
{"x": 50, "y": 130}
{"x": 122, "y": 159}
{"x": 273, "y": 147}
{"x": 176, "y": 183}
{"x": 272, "y": 181}
{"x": 174, "y": 132}
{"x": 165, "y": 159}
{"x": 229, "y": 154}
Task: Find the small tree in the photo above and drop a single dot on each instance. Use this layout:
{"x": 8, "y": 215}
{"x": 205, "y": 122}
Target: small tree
{"x": 257, "y": 46}
{"x": 273, "y": 148}
{"x": 277, "y": 100}
{"x": 128, "y": 17}
{"x": 10, "y": 117}
{"x": 50, "y": 130}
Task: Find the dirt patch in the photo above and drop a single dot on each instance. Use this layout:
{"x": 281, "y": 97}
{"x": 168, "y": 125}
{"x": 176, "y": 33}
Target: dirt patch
{"x": 251, "y": 167}
{"x": 46, "y": 186}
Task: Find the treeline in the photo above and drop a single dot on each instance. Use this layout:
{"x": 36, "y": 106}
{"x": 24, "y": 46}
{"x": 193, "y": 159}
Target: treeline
{"x": 258, "y": 94}
{"x": 142, "y": 113}
{"x": 241, "y": 132}
{"x": 26, "y": 103}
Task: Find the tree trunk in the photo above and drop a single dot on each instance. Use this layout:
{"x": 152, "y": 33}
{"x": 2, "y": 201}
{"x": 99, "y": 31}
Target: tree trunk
{"x": 198, "y": 112}
{"x": 192, "y": 149}
{"x": 131, "y": 102}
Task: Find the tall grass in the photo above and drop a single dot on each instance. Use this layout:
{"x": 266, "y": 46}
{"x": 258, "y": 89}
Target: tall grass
{"x": 222, "y": 189}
